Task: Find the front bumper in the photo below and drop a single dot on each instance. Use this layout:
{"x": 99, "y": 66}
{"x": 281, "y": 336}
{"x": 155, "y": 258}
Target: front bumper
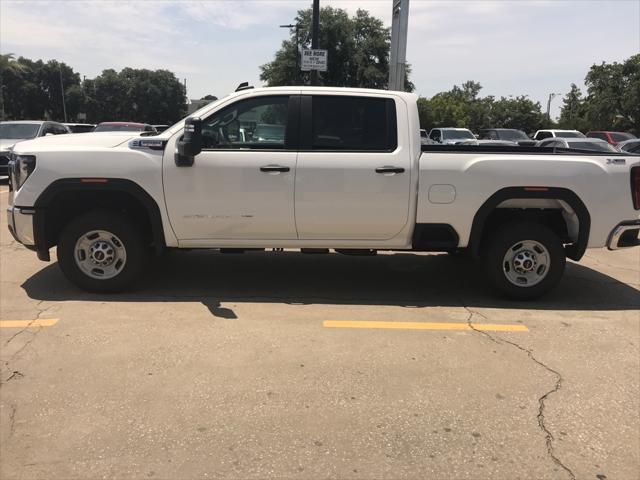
{"x": 625, "y": 235}
{"x": 20, "y": 221}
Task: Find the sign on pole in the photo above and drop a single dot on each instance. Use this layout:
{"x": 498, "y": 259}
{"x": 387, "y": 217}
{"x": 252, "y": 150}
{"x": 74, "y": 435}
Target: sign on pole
{"x": 314, "y": 60}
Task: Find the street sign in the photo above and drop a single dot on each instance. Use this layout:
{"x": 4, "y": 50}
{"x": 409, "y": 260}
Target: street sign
{"x": 314, "y": 60}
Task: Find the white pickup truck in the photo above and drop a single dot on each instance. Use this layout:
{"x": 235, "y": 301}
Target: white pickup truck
{"x": 316, "y": 168}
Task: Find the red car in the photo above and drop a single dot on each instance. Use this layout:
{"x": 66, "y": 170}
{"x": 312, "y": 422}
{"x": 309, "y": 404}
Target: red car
{"x": 614, "y": 138}
{"x": 124, "y": 127}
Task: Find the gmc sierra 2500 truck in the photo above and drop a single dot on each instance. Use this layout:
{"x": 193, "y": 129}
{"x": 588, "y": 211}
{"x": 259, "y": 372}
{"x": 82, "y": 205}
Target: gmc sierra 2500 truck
{"x": 308, "y": 167}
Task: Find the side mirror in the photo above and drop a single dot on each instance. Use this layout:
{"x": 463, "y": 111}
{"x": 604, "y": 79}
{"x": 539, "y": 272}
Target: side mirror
{"x": 48, "y": 134}
{"x": 191, "y": 143}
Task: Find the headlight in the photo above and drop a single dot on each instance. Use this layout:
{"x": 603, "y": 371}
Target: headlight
{"x": 21, "y": 166}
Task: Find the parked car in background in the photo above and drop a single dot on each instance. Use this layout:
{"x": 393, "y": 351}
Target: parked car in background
{"x": 160, "y": 128}
{"x": 80, "y": 127}
{"x": 542, "y": 134}
{"x": 124, "y": 127}
{"x": 451, "y": 136}
{"x": 614, "y": 138}
{"x": 630, "y": 146}
{"x": 13, "y": 132}
{"x": 489, "y": 143}
{"x": 594, "y": 144}
{"x": 508, "y": 134}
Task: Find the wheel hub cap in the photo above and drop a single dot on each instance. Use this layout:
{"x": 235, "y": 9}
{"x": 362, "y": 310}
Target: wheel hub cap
{"x": 100, "y": 254}
{"x": 526, "y": 263}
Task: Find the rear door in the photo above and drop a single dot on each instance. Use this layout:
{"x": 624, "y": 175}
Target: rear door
{"x": 353, "y": 174}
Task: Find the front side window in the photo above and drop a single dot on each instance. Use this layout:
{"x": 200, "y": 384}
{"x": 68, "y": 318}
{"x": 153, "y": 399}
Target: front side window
{"x": 435, "y": 135}
{"x": 255, "y": 123}
{"x": 353, "y": 123}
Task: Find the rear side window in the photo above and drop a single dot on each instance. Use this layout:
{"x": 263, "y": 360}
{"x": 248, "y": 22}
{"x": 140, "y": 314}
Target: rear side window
{"x": 599, "y": 135}
{"x": 542, "y": 135}
{"x": 353, "y": 123}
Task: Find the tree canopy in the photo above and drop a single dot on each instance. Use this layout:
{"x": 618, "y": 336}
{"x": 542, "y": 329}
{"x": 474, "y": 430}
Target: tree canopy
{"x": 612, "y": 101}
{"x": 33, "y": 90}
{"x": 462, "y": 106}
{"x": 358, "y": 51}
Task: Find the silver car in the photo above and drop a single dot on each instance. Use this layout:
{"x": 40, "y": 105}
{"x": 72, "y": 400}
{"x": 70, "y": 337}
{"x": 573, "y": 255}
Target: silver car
{"x": 12, "y": 132}
{"x": 591, "y": 144}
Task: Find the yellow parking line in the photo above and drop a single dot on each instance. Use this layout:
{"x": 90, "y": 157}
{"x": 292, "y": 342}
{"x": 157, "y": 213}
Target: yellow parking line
{"x": 43, "y": 322}
{"x": 423, "y": 326}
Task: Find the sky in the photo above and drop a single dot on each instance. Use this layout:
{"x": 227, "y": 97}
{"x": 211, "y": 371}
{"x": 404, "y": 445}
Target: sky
{"x": 512, "y": 47}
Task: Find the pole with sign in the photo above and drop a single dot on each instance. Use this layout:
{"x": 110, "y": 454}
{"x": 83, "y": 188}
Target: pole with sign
{"x": 314, "y": 60}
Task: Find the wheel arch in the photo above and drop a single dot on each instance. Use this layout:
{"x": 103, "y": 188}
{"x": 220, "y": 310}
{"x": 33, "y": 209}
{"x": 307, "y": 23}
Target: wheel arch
{"x": 575, "y": 251}
{"x": 118, "y": 191}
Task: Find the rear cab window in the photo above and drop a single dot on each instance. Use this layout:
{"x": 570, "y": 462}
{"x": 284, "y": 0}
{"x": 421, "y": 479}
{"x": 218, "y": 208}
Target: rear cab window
{"x": 353, "y": 123}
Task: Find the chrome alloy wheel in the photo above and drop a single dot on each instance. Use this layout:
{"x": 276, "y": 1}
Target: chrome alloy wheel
{"x": 526, "y": 263}
{"x": 100, "y": 254}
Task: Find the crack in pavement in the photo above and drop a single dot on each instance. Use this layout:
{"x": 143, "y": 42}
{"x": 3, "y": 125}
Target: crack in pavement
{"x": 12, "y": 419}
{"x": 34, "y": 334}
{"x": 541, "y": 401}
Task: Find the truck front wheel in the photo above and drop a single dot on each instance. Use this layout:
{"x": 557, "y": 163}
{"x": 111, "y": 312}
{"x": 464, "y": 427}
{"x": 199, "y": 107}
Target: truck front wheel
{"x": 524, "y": 261}
{"x": 101, "y": 251}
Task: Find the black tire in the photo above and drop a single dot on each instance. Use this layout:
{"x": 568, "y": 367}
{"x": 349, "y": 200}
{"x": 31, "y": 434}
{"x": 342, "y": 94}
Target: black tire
{"x": 499, "y": 243}
{"x": 124, "y": 229}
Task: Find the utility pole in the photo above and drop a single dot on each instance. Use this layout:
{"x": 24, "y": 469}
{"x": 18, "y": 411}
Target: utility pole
{"x": 315, "y": 32}
{"x": 398, "y": 54}
{"x": 64, "y": 105}
{"x": 551, "y": 97}
{"x": 297, "y": 27}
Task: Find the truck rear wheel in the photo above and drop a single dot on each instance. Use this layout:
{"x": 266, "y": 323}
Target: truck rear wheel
{"x": 101, "y": 251}
{"x": 523, "y": 261}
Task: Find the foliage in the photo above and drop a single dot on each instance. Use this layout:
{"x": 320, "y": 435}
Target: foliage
{"x": 612, "y": 101}
{"x": 33, "y": 90}
{"x": 463, "y": 107}
{"x": 358, "y": 51}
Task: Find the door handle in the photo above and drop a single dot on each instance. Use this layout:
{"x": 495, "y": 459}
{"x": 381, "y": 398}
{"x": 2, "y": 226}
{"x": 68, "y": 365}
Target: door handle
{"x": 389, "y": 169}
{"x": 274, "y": 168}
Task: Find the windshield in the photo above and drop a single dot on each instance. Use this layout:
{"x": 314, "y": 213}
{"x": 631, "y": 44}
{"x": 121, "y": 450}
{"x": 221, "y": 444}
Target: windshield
{"x": 621, "y": 136}
{"x": 512, "y": 135}
{"x": 19, "y": 130}
{"x": 596, "y": 146}
{"x": 457, "y": 134}
{"x": 118, "y": 128}
{"x": 569, "y": 135}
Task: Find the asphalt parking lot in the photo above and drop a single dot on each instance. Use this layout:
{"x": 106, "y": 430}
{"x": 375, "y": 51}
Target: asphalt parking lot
{"x": 258, "y": 365}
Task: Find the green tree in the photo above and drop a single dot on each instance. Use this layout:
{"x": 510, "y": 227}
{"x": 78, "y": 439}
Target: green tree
{"x": 151, "y": 96}
{"x": 462, "y": 106}
{"x": 358, "y": 51}
{"x": 572, "y": 112}
{"x": 613, "y": 100}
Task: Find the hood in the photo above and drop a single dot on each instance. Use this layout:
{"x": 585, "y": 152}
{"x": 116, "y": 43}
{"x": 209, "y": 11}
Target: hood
{"x": 7, "y": 143}
{"x": 98, "y": 139}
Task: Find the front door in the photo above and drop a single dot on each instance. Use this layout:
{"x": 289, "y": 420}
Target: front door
{"x": 241, "y": 185}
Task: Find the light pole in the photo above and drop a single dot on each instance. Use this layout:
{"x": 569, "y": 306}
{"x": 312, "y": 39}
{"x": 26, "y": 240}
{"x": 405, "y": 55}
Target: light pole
{"x": 297, "y": 27}
{"x": 315, "y": 33}
{"x": 64, "y": 105}
{"x": 551, "y": 97}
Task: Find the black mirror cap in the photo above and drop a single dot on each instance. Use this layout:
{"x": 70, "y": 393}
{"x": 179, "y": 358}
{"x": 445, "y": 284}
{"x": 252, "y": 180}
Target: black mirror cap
{"x": 192, "y": 139}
